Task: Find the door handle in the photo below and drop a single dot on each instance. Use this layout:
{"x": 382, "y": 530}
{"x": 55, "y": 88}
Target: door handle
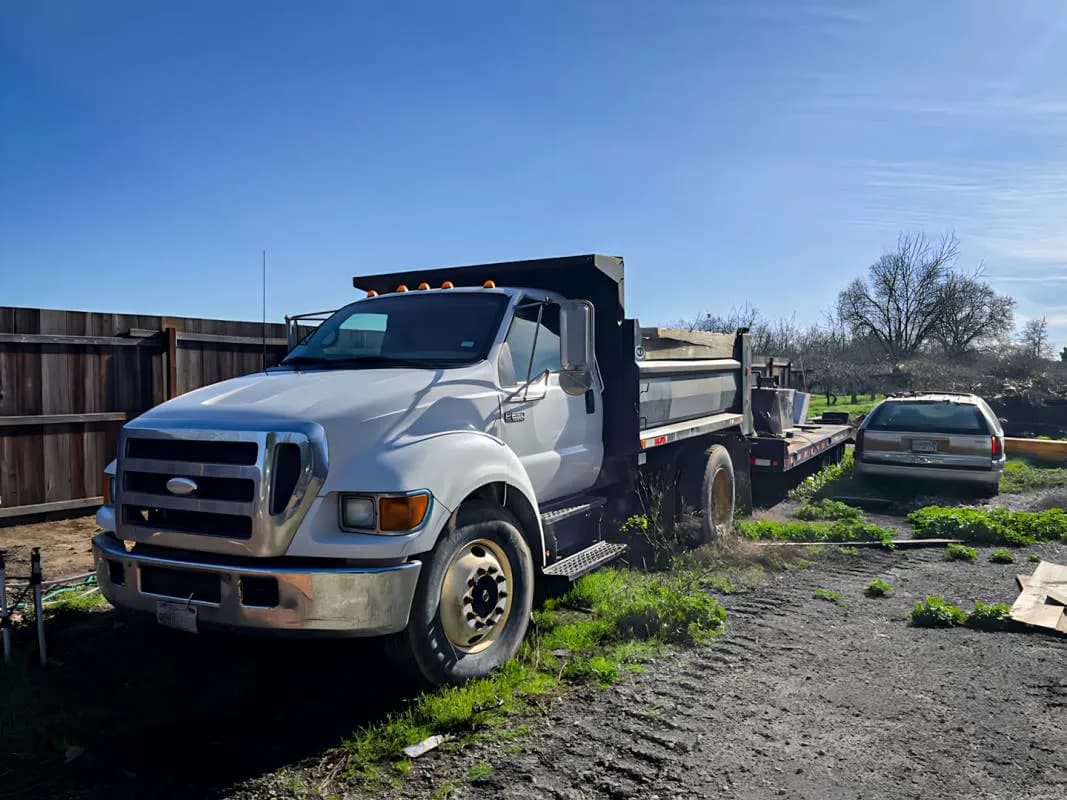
{"x": 590, "y": 402}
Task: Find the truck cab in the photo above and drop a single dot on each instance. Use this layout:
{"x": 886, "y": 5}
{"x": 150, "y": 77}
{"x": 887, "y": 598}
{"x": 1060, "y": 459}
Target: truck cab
{"x": 420, "y": 461}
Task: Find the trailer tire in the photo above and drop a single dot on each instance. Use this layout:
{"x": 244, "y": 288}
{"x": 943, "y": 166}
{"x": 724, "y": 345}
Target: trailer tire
{"x": 718, "y": 494}
{"x": 473, "y": 600}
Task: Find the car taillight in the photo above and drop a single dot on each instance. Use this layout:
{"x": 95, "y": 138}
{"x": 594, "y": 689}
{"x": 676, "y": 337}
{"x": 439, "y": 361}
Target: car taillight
{"x": 859, "y": 443}
{"x": 998, "y": 448}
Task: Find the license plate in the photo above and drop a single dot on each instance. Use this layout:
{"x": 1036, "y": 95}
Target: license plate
{"x": 924, "y": 445}
{"x": 180, "y": 616}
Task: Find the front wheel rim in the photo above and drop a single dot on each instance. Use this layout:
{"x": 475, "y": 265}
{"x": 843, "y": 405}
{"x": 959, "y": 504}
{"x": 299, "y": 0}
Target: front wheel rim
{"x": 476, "y": 596}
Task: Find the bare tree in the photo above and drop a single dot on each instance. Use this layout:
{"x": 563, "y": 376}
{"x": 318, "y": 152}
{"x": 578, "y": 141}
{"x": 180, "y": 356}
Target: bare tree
{"x": 1063, "y": 355}
{"x": 1034, "y": 338}
{"x": 972, "y": 314}
{"x": 899, "y": 303}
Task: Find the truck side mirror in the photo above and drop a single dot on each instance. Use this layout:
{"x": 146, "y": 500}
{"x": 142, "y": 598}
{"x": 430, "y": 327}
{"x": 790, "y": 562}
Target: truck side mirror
{"x": 576, "y": 346}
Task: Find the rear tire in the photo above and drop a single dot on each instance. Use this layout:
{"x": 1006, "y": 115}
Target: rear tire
{"x": 718, "y": 494}
{"x": 473, "y": 600}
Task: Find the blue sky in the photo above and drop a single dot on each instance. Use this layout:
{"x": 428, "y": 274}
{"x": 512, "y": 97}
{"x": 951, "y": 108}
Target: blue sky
{"x": 731, "y": 151}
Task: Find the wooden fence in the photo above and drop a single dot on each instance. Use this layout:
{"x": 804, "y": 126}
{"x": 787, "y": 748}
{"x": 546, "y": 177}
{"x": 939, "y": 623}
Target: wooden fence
{"x": 70, "y": 379}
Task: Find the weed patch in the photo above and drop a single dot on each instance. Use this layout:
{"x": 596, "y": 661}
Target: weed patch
{"x": 1033, "y": 558}
{"x": 936, "y": 612}
{"x": 826, "y": 509}
{"x": 480, "y": 771}
{"x": 608, "y": 619}
{"x": 960, "y": 552}
{"x": 878, "y": 588}
{"x": 990, "y": 525}
{"x": 829, "y": 596}
{"x": 1022, "y": 476}
{"x": 1002, "y": 557}
{"x": 995, "y": 617}
{"x": 838, "y": 531}
{"x": 822, "y": 481}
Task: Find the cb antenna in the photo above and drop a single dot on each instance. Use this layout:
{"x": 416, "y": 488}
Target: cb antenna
{"x": 263, "y": 362}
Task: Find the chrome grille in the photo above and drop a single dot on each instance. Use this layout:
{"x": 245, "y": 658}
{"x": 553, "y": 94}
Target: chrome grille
{"x": 252, "y": 487}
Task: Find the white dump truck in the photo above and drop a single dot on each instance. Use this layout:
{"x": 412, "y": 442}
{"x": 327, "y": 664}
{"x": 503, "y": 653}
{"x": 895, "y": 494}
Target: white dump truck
{"x": 426, "y": 455}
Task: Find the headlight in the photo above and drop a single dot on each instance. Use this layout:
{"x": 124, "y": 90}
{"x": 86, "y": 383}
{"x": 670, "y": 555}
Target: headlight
{"x": 357, "y": 512}
{"x": 384, "y": 513}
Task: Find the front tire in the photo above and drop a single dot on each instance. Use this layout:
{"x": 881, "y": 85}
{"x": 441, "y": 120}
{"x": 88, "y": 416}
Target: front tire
{"x": 474, "y": 597}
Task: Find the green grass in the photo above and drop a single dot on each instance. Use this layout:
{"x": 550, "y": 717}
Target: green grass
{"x": 1002, "y": 557}
{"x": 480, "y": 771}
{"x": 608, "y": 619}
{"x": 878, "y": 588}
{"x": 990, "y": 525}
{"x": 826, "y": 509}
{"x": 995, "y": 617}
{"x": 825, "y": 480}
{"x": 1033, "y": 558}
{"x": 936, "y": 612}
{"x": 1024, "y": 476}
{"x": 828, "y": 595}
{"x": 838, "y": 531}
{"x": 960, "y": 552}
{"x": 818, "y": 405}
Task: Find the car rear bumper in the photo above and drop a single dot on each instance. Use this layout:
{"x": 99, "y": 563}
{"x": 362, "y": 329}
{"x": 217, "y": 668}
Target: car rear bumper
{"x": 987, "y": 477}
{"x": 342, "y": 601}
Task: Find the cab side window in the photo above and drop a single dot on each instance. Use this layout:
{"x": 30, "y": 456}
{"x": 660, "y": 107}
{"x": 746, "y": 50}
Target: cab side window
{"x": 519, "y": 343}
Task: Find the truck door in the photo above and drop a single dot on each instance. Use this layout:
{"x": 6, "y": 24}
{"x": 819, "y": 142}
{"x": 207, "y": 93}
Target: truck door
{"x": 557, "y": 436}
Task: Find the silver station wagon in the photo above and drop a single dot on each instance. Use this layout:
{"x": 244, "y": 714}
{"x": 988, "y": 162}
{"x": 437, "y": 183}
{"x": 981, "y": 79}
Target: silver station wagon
{"x": 933, "y": 436}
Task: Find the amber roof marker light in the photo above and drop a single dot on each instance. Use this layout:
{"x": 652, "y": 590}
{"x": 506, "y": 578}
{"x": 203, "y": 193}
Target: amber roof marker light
{"x": 447, "y": 285}
{"x": 424, "y": 286}
{"x": 489, "y": 285}
{"x": 402, "y": 288}
{"x": 372, "y": 293}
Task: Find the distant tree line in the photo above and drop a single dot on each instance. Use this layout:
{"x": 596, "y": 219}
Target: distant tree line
{"x": 913, "y": 320}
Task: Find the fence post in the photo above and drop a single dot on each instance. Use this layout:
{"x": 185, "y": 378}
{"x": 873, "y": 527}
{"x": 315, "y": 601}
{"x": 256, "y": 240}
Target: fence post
{"x": 5, "y": 623}
{"x": 172, "y": 362}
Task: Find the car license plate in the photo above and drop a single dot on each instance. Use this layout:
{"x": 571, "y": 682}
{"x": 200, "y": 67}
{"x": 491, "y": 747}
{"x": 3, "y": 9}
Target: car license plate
{"x": 924, "y": 445}
{"x": 176, "y": 615}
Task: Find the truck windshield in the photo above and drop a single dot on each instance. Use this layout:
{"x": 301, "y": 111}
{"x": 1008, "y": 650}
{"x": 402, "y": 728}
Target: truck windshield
{"x": 438, "y": 329}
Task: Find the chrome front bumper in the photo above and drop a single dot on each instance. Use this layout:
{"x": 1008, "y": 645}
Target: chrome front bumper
{"x": 344, "y": 601}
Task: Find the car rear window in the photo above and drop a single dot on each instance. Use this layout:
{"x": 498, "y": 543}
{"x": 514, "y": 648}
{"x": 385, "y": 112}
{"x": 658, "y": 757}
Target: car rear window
{"x": 934, "y": 416}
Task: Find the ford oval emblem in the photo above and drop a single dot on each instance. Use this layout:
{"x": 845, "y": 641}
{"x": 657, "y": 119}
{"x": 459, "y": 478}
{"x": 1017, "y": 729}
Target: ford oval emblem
{"x": 181, "y": 486}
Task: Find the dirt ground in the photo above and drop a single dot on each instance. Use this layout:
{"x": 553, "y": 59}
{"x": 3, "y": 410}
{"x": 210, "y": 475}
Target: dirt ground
{"x": 66, "y": 546}
{"x": 801, "y": 698}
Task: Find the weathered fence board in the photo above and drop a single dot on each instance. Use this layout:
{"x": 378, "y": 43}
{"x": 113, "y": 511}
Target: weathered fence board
{"x": 70, "y": 379}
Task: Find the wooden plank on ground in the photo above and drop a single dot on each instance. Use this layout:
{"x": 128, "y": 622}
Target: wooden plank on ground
{"x": 48, "y": 508}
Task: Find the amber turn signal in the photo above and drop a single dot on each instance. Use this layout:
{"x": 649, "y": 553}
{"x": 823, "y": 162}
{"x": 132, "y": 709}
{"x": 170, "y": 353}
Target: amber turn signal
{"x": 402, "y": 513}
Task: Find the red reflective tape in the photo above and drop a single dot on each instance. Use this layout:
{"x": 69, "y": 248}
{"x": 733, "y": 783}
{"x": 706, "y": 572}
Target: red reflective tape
{"x": 659, "y": 440}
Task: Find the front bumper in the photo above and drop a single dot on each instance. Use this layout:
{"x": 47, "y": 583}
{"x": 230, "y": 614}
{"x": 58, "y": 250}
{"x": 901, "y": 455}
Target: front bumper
{"x": 986, "y": 477}
{"x": 343, "y": 601}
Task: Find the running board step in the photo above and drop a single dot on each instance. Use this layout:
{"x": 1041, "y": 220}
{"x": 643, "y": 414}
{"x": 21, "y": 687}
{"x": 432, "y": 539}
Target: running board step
{"x": 573, "y": 567}
{"x": 557, "y": 515}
